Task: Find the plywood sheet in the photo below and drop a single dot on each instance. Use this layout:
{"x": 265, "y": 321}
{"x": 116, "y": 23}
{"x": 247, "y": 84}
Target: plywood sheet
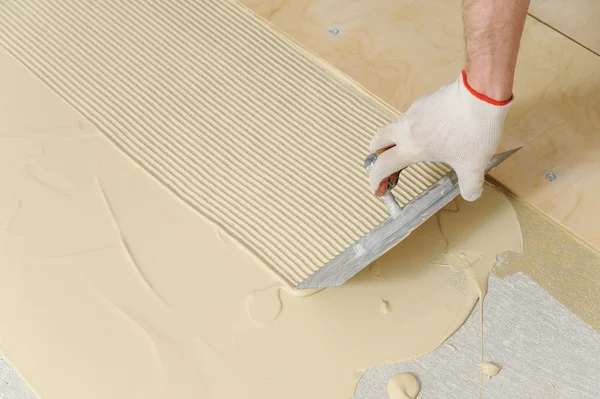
{"x": 254, "y": 132}
{"x": 576, "y": 19}
{"x": 401, "y": 50}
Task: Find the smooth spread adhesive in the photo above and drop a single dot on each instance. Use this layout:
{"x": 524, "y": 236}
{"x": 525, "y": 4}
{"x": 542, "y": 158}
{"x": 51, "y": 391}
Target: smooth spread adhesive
{"x": 261, "y": 137}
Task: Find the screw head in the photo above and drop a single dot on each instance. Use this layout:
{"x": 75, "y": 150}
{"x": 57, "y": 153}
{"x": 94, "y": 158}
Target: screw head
{"x": 550, "y": 176}
{"x": 334, "y": 31}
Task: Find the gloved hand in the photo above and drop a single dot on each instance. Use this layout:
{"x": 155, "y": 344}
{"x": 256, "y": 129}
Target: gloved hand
{"x": 455, "y": 125}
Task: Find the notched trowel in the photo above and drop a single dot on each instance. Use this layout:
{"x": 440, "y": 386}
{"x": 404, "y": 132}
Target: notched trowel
{"x": 398, "y": 225}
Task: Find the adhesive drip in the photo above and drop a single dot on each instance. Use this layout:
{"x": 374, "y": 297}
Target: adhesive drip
{"x": 488, "y": 369}
{"x": 551, "y": 385}
{"x": 403, "y": 386}
{"x": 264, "y": 306}
{"x": 460, "y": 260}
{"x": 385, "y": 307}
{"x": 479, "y": 279}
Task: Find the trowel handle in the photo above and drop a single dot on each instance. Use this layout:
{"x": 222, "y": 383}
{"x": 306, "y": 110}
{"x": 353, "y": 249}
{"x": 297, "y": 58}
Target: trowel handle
{"x": 388, "y": 183}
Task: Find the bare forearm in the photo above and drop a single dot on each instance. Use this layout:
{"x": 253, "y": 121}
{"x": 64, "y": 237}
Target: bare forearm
{"x": 493, "y": 30}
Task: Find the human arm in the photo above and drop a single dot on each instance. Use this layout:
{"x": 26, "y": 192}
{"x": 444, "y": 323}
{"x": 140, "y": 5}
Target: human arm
{"x": 461, "y": 124}
{"x": 493, "y": 30}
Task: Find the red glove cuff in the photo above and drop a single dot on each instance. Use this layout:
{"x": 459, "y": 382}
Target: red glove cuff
{"x": 481, "y": 96}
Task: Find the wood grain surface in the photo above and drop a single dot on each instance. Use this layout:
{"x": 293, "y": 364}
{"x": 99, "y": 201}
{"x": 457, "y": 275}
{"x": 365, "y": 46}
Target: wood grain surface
{"x": 401, "y": 50}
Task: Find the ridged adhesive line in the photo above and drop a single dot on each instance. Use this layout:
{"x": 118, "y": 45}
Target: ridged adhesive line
{"x": 247, "y": 128}
{"x": 225, "y": 154}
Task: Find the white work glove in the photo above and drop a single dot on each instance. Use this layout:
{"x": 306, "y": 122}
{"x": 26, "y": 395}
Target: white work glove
{"x": 454, "y": 125}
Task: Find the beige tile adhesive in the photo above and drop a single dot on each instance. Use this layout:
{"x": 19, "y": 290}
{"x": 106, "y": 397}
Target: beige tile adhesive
{"x": 257, "y": 134}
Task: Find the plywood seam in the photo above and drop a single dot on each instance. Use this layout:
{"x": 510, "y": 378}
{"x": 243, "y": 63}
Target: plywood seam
{"x": 563, "y": 34}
